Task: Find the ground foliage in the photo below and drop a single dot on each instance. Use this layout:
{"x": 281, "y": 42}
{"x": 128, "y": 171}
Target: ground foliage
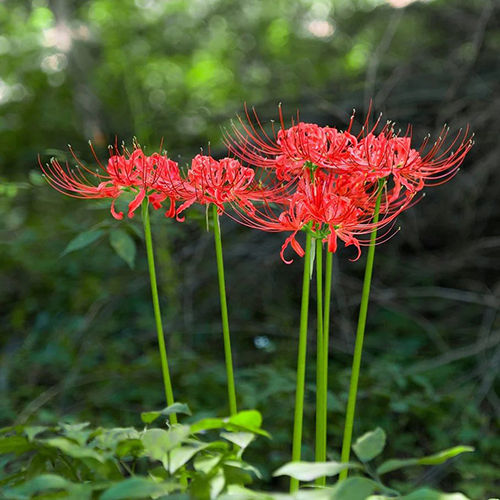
{"x": 77, "y": 338}
{"x": 202, "y": 460}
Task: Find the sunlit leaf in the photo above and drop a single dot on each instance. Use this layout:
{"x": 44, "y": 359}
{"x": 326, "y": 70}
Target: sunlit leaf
{"x": 138, "y": 487}
{"x": 436, "y": 459}
{"x": 307, "y": 471}
{"x": 369, "y": 445}
{"x": 150, "y": 416}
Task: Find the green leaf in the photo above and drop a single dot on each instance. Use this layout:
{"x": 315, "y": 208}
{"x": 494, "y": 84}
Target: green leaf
{"x": 436, "y": 459}
{"x": 207, "y": 424}
{"x": 355, "y": 488}
{"x": 33, "y": 431}
{"x": 428, "y": 494}
{"x": 158, "y": 442}
{"x": 442, "y": 456}
{"x": 242, "y": 439}
{"x": 246, "y": 420}
{"x": 150, "y": 416}
{"x": 73, "y": 450}
{"x": 38, "y": 484}
{"x": 182, "y": 454}
{"x": 124, "y": 245}
{"x": 239, "y": 464}
{"x": 307, "y": 471}
{"x": 82, "y": 240}
{"x": 111, "y": 439}
{"x": 138, "y": 487}
{"x": 369, "y": 445}
{"x": 217, "y": 484}
{"x": 129, "y": 447}
{"x": 14, "y": 444}
{"x": 235, "y": 475}
{"x": 76, "y": 432}
{"x": 206, "y": 464}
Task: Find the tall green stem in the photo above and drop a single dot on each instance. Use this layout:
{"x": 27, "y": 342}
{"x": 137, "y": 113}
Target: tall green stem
{"x": 326, "y": 319}
{"x": 223, "y": 309}
{"x": 320, "y": 452}
{"x": 156, "y": 307}
{"x": 301, "y": 362}
{"x": 358, "y": 347}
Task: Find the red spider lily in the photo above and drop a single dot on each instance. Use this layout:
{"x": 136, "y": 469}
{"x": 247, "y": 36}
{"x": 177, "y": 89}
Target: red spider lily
{"x": 388, "y": 155}
{"x": 329, "y": 208}
{"x": 154, "y": 177}
{"x": 376, "y": 155}
{"x": 338, "y": 175}
{"x": 289, "y": 151}
{"x": 225, "y": 181}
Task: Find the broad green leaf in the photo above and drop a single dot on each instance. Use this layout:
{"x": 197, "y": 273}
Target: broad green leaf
{"x": 73, "y": 450}
{"x": 217, "y": 484}
{"x": 207, "y": 424}
{"x": 77, "y": 432}
{"x": 110, "y": 439}
{"x": 307, "y": 471}
{"x": 182, "y": 454}
{"x": 206, "y": 464}
{"x": 238, "y": 492}
{"x": 369, "y": 445}
{"x": 33, "y": 431}
{"x": 138, "y": 487}
{"x": 428, "y": 494}
{"x": 247, "y": 418}
{"x": 14, "y": 444}
{"x": 129, "y": 447}
{"x": 82, "y": 240}
{"x": 158, "y": 442}
{"x": 124, "y": 245}
{"x": 236, "y": 475}
{"x": 436, "y": 459}
{"x": 38, "y": 484}
{"x": 242, "y": 439}
{"x": 239, "y": 464}
{"x": 355, "y": 488}
{"x": 150, "y": 416}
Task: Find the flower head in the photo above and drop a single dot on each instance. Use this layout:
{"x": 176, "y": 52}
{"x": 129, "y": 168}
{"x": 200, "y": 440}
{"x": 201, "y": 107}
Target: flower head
{"x": 339, "y": 180}
{"x": 154, "y": 177}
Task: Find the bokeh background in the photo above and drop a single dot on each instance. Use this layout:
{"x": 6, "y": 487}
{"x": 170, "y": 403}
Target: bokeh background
{"x": 77, "y": 336}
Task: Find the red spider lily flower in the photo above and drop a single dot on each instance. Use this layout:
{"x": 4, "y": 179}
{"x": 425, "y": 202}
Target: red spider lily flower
{"x": 223, "y": 182}
{"x": 383, "y": 155}
{"x": 339, "y": 175}
{"x": 329, "y": 208}
{"x": 154, "y": 177}
{"x": 289, "y": 151}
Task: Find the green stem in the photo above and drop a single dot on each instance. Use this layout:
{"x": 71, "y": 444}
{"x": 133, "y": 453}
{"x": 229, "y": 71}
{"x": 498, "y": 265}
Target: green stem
{"x": 320, "y": 452}
{"x": 326, "y": 320}
{"x": 223, "y": 308}
{"x": 156, "y": 307}
{"x": 301, "y": 362}
{"x": 358, "y": 347}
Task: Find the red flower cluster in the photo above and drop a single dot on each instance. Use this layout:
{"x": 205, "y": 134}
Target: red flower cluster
{"x": 159, "y": 179}
{"x": 340, "y": 176}
{"x": 331, "y": 183}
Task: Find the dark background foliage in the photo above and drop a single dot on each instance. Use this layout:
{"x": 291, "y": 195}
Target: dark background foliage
{"x": 77, "y": 336}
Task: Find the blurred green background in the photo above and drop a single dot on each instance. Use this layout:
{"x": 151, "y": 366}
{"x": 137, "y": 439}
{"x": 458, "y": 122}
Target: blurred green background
{"x": 77, "y": 336}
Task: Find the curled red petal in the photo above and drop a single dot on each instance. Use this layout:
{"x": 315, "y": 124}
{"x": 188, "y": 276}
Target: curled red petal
{"x": 135, "y": 203}
{"x": 114, "y": 213}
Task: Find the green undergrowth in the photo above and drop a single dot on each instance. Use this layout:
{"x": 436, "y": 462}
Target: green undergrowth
{"x": 201, "y": 460}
